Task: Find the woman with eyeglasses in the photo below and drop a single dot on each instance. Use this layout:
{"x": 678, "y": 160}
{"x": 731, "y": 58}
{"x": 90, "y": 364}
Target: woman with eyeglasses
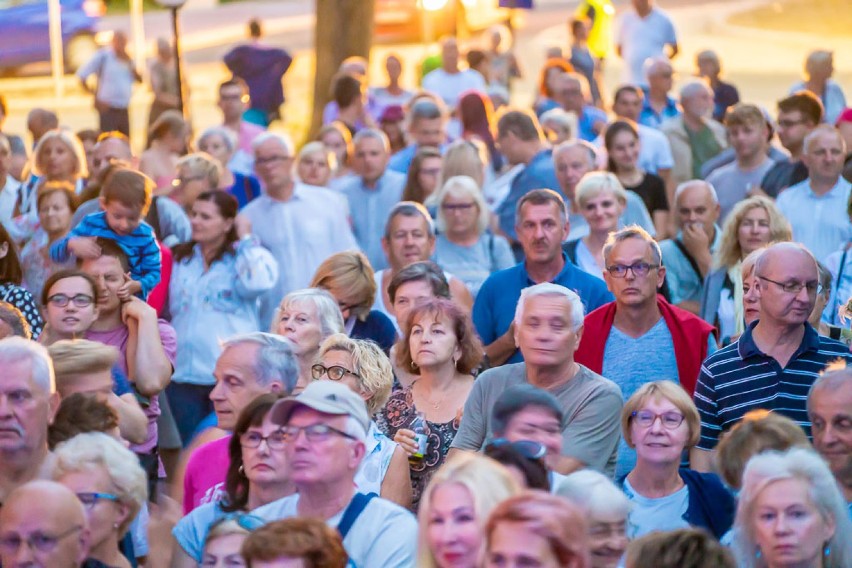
{"x": 660, "y": 421}
{"x": 442, "y": 350}
{"x": 365, "y": 369}
{"x": 111, "y": 485}
{"x": 216, "y": 280}
{"x": 307, "y": 318}
{"x": 257, "y": 475}
{"x": 463, "y": 247}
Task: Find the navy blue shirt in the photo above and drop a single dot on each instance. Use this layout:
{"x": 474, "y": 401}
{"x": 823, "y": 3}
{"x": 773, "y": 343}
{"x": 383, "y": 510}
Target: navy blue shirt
{"x": 245, "y": 189}
{"x": 740, "y": 378}
{"x": 494, "y": 308}
{"x": 538, "y": 174}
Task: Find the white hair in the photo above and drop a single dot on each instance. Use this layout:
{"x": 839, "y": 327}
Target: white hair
{"x": 227, "y": 135}
{"x": 550, "y": 289}
{"x": 15, "y": 349}
{"x": 563, "y": 118}
{"x": 696, "y": 182}
{"x": 595, "y": 493}
{"x": 328, "y": 311}
{"x": 283, "y": 140}
{"x": 462, "y": 186}
{"x": 276, "y": 360}
{"x": 694, "y": 87}
{"x": 805, "y": 465}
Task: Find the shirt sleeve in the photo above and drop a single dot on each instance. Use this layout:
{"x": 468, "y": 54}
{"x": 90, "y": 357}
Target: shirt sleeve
{"x": 705, "y": 401}
{"x": 257, "y": 269}
{"x": 472, "y": 430}
{"x": 395, "y": 545}
{"x": 23, "y": 299}
{"x": 173, "y": 222}
{"x": 168, "y": 338}
{"x": 149, "y": 266}
{"x": 90, "y": 66}
{"x": 59, "y": 250}
{"x": 593, "y": 433}
{"x": 483, "y": 314}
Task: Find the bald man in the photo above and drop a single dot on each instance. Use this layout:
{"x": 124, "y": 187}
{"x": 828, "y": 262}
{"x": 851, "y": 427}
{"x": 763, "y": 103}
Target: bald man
{"x": 43, "y": 525}
{"x": 775, "y": 361}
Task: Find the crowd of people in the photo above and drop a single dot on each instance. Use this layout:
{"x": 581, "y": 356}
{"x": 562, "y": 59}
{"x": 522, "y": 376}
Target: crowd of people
{"x": 608, "y": 330}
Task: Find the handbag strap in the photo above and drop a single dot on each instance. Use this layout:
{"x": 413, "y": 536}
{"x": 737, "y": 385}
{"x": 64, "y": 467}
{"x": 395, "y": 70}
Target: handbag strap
{"x": 356, "y": 506}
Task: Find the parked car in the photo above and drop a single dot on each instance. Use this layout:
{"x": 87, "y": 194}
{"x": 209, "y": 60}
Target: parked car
{"x": 25, "y": 35}
{"x": 434, "y": 18}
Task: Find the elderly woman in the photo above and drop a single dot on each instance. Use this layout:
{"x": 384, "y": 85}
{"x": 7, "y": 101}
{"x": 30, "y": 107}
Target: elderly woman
{"x": 110, "y": 483}
{"x": 221, "y": 143}
{"x": 365, "y": 369}
{"x": 307, "y": 318}
{"x": 660, "y": 421}
{"x": 315, "y": 163}
{"x": 257, "y": 475}
{"x": 753, "y": 223}
{"x": 819, "y": 67}
{"x": 791, "y": 513}
{"x": 216, "y": 280}
{"x": 196, "y": 173}
{"x": 606, "y": 509}
{"x": 224, "y": 543}
{"x": 601, "y": 200}
{"x": 442, "y": 350}
{"x": 56, "y": 203}
{"x": 536, "y": 529}
{"x": 463, "y": 247}
{"x": 349, "y": 277}
{"x": 454, "y": 509}
{"x": 167, "y": 142}
{"x": 337, "y": 139}
{"x": 423, "y": 175}
{"x": 559, "y": 125}
{"x": 298, "y": 541}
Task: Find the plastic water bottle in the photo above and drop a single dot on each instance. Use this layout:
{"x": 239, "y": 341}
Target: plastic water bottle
{"x": 421, "y": 438}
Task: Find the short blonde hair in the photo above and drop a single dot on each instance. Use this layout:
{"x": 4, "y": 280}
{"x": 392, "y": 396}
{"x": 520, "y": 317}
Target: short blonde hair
{"x": 317, "y": 147}
{"x": 350, "y": 271}
{"x": 72, "y": 357}
{"x": 465, "y": 158}
{"x": 203, "y": 164}
{"x": 85, "y": 452}
{"x": 594, "y": 183}
{"x": 487, "y": 481}
{"x": 460, "y": 187}
{"x": 730, "y": 252}
{"x": 369, "y": 362}
{"x": 671, "y": 392}
{"x": 81, "y": 169}
{"x": 750, "y": 261}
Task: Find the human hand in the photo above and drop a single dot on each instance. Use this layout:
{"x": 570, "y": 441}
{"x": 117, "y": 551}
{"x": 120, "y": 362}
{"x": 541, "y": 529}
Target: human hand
{"x": 128, "y": 289}
{"x": 406, "y": 440}
{"x": 242, "y": 225}
{"x": 695, "y": 238}
{"x": 135, "y": 309}
{"x": 85, "y": 248}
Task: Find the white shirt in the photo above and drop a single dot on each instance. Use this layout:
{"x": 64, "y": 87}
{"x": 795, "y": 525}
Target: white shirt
{"x": 819, "y": 222}
{"x": 115, "y": 77}
{"x": 449, "y": 86}
{"x": 300, "y": 233}
{"x": 8, "y": 198}
{"x": 641, "y": 38}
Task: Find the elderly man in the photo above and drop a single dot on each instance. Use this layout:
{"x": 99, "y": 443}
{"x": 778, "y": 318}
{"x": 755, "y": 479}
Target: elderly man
{"x": 775, "y": 361}
{"x": 449, "y": 81}
{"x": 43, "y": 525}
{"x": 709, "y": 67}
{"x": 694, "y": 136}
{"x": 300, "y": 225}
{"x": 658, "y": 106}
{"x": 830, "y": 413}
{"x": 748, "y": 133}
{"x": 618, "y": 337}
{"x": 427, "y": 124}
{"x": 325, "y": 427}
{"x": 547, "y": 328}
{"x": 817, "y": 208}
{"x": 573, "y": 94}
{"x": 250, "y": 365}
{"x": 644, "y": 32}
{"x": 542, "y": 224}
{"x": 573, "y": 160}
{"x": 371, "y": 193}
{"x": 689, "y": 256}
{"x": 655, "y": 152}
{"x": 28, "y": 402}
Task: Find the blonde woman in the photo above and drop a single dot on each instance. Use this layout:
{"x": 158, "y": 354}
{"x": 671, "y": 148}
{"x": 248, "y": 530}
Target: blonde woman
{"x": 315, "y": 164}
{"x": 752, "y": 224}
{"x": 454, "y": 508}
{"x": 196, "y": 173}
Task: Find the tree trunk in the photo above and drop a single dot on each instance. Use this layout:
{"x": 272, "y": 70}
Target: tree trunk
{"x": 343, "y": 28}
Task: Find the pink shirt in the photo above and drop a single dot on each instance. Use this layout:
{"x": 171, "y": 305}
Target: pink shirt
{"x": 248, "y": 132}
{"x": 204, "y": 481}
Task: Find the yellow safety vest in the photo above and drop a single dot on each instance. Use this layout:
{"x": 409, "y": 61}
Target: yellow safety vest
{"x": 600, "y": 34}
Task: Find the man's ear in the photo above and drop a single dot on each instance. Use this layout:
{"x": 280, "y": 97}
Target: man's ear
{"x": 53, "y": 403}
{"x": 85, "y": 543}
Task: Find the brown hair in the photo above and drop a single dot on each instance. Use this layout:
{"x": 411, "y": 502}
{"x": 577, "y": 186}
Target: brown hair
{"x": 423, "y": 271}
{"x": 311, "y": 540}
{"x": 62, "y": 275}
{"x": 80, "y": 413}
{"x": 742, "y": 114}
{"x": 413, "y": 191}
{"x": 806, "y": 103}
{"x": 683, "y": 548}
{"x": 48, "y": 188}
{"x": 666, "y": 390}
{"x": 468, "y": 341}
{"x": 552, "y": 63}
{"x": 128, "y": 187}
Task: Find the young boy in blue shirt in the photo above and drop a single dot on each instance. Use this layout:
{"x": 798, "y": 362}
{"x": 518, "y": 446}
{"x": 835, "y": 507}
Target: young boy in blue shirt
{"x": 125, "y": 199}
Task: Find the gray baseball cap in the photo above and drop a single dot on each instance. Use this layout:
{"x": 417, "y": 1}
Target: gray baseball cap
{"x": 329, "y": 397}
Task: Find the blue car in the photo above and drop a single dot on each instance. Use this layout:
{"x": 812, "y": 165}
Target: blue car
{"x": 25, "y": 36}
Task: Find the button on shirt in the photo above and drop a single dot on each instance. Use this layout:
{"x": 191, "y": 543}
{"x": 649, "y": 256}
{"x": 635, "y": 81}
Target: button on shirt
{"x": 300, "y": 233}
{"x": 369, "y": 208}
{"x": 819, "y": 222}
{"x": 740, "y": 378}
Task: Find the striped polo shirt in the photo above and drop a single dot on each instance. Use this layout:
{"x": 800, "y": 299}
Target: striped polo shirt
{"x": 740, "y": 378}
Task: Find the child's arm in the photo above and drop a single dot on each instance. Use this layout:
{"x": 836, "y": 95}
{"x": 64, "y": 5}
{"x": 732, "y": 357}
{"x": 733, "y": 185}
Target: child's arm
{"x": 148, "y": 267}
{"x": 129, "y": 289}
{"x": 77, "y": 243}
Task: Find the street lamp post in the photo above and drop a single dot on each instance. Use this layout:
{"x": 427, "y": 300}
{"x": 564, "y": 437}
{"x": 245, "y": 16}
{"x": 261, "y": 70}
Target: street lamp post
{"x": 174, "y": 6}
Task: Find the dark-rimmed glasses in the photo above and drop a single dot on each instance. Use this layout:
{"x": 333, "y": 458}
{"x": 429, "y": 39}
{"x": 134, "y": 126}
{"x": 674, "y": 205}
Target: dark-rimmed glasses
{"x": 796, "y": 287}
{"x": 639, "y": 269}
{"x": 275, "y": 441}
{"x": 335, "y": 372}
{"x": 79, "y": 300}
{"x": 38, "y": 541}
{"x": 314, "y": 432}
{"x": 646, "y": 418}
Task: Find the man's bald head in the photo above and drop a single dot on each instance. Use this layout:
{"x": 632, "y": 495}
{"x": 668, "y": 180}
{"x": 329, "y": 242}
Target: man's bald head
{"x": 114, "y": 146}
{"x": 778, "y": 254}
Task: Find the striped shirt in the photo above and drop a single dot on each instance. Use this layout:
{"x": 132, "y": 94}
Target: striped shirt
{"x": 740, "y": 378}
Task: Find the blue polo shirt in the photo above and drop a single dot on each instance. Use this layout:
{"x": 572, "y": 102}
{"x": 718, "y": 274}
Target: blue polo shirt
{"x": 494, "y": 308}
{"x": 650, "y": 117}
{"x": 538, "y": 174}
{"x": 740, "y": 378}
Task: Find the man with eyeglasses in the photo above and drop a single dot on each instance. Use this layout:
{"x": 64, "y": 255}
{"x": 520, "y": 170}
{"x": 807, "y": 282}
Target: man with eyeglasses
{"x": 658, "y": 106}
{"x": 619, "y": 338}
{"x": 325, "y": 427}
{"x": 775, "y": 361}
{"x": 43, "y": 525}
{"x": 300, "y": 225}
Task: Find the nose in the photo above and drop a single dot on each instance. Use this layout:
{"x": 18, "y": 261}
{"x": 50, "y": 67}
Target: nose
{"x": 828, "y": 436}
{"x": 216, "y": 393}
{"x": 24, "y": 556}
{"x": 657, "y": 424}
{"x": 5, "y": 407}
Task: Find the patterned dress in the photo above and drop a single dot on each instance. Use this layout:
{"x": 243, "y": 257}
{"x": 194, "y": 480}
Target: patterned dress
{"x": 24, "y": 301}
{"x": 400, "y": 412}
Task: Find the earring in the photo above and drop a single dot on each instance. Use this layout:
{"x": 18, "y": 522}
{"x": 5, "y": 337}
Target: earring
{"x": 413, "y": 365}
{"x": 826, "y": 550}
{"x": 455, "y": 362}
{"x": 242, "y": 471}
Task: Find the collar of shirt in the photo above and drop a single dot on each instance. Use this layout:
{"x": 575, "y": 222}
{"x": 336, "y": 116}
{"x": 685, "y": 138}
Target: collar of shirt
{"x": 835, "y": 191}
{"x": 748, "y": 348}
{"x": 566, "y": 269}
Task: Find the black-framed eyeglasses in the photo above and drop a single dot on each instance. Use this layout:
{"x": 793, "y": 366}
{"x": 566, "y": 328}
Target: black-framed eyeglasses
{"x": 335, "y": 372}
{"x": 527, "y": 448}
{"x": 646, "y": 418}
{"x": 813, "y": 287}
{"x": 271, "y": 160}
{"x": 275, "y": 441}
{"x": 38, "y": 541}
{"x": 639, "y": 269}
{"x": 79, "y": 300}
{"x": 314, "y": 432}
{"x": 91, "y": 498}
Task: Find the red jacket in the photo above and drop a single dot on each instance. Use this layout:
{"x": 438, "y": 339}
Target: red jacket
{"x": 689, "y": 336}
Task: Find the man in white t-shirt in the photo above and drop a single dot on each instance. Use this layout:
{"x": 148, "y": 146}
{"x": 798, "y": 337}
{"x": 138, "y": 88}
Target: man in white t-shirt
{"x": 645, "y": 32}
{"x": 325, "y": 428}
{"x": 449, "y": 81}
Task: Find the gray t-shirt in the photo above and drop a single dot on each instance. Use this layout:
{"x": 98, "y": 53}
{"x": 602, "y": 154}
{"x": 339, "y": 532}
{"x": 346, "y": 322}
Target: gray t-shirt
{"x": 656, "y": 514}
{"x": 733, "y": 184}
{"x": 473, "y": 264}
{"x": 592, "y": 406}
